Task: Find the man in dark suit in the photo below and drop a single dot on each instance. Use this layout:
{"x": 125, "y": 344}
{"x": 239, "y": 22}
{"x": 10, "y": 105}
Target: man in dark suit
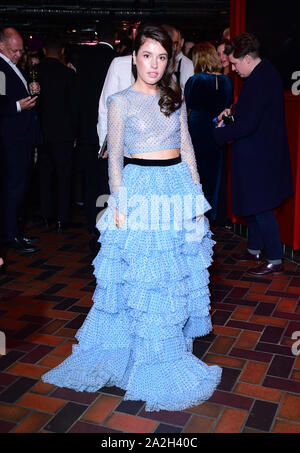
{"x": 18, "y": 134}
{"x": 92, "y": 68}
{"x": 261, "y": 173}
{"x": 58, "y": 110}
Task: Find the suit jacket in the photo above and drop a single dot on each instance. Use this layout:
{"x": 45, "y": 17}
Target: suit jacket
{"x": 58, "y": 101}
{"x": 261, "y": 173}
{"x": 18, "y": 126}
{"x": 94, "y": 62}
{"x": 7, "y": 107}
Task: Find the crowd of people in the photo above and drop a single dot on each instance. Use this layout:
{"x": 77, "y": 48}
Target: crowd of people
{"x": 146, "y": 124}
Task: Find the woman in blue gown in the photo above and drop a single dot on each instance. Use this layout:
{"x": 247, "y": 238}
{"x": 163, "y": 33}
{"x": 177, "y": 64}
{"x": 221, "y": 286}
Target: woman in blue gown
{"x": 152, "y": 296}
{"x": 205, "y": 93}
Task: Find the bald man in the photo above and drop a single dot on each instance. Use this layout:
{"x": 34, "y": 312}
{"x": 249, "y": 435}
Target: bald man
{"x": 18, "y": 133}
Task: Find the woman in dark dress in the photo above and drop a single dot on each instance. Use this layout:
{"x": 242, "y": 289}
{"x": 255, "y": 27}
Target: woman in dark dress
{"x": 205, "y": 93}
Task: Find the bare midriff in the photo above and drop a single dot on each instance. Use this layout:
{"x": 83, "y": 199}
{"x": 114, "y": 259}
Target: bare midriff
{"x": 160, "y": 154}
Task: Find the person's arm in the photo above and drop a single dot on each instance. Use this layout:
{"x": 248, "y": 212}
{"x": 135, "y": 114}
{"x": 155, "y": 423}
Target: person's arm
{"x": 186, "y": 148}
{"x": 110, "y": 87}
{"x": 115, "y": 145}
{"x": 248, "y": 113}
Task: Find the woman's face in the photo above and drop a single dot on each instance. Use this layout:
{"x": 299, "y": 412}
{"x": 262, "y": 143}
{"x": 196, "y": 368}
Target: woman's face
{"x": 223, "y": 57}
{"x": 151, "y": 62}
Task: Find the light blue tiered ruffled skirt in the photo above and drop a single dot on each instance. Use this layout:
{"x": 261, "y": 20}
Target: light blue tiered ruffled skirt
{"x": 151, "y": 300}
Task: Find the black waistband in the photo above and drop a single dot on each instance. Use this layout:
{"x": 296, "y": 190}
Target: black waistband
{"x": 152, "y": 162}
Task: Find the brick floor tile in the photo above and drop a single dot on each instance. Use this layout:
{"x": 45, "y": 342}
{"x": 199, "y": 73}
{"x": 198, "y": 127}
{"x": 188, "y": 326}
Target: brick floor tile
{"x": 230, "y": 399}
{"x": 163, "y": 428}
{"x": 66, "y": 333}
{"x": 247, "y": 339}
{"x": 272, "y": 334}
{"x": 42, "y": 388}
{"x": 229, "y": 378}
{"x": 6, "y": 427}
{"x": 242, "y": 313}
{"x": 290, "y": 408}
{"x": 259, "y": 392}
{"x": 296, "y": 376}
{"x": 26, "y": 369}
{"x": 78, "y": 397}
{"x": 231, "y": 421}
{"x": 254, "y": 372}
{"x": 41, "y": 403}
{"x": 65, "y": 349}
{"x": 17, "y": 389}
{"x": 10, "y": 358}
{"x": 262, "y": 415}
{"x": 100, "y": 410}
{"x": 130, "y": 423}
{"x": 281, "y": 426}
{"x": 199, "y": 424}
{"x": 245, "y": 325}
{"x": 88, "y": 428}
{"x": 53, "y": 327}
{"x": 214, "y": 359}
{"x": 251, "y": 355}
{"x": 178, "y": 418}
{"x": 288, "y": 305}
{"x": 208, "y": 409}
{"x": 130, "y": 407}
{"x": 12, "y": 324}
{"x": 33, "y": 423}
{"x": 36, "y": 355}
{"x": 226, "y": 331}
{"x": 65, "y": 418}
{"x": 282, "y": 384}
{"x": 222, "y": 345}
{"x": 269, "y": 321}
{"x": 281, "y": 366}
{"x": 12, "y": 413}
{"x": 7, "y": 379}
{"x": 45, "y": 339}
{"x": 51, "y": 361}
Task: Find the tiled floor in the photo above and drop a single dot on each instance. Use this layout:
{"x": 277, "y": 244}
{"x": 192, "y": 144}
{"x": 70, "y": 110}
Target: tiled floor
{"x": 45, "y": 297}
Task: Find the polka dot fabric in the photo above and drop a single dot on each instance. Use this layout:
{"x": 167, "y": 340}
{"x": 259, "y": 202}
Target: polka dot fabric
{"x": 151, "y": 301}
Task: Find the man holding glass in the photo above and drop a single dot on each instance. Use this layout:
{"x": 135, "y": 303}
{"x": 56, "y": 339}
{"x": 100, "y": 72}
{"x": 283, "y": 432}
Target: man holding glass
{"x": 18, "y": 134}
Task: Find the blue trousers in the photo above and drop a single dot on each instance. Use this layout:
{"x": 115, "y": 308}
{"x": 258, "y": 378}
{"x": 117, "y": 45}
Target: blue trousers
{"x": 263, "y": 234}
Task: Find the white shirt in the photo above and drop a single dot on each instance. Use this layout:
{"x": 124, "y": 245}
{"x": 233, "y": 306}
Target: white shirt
{"x": 118, "y": 77}
{"x": 19, "y": 74}
{"x": 186, "y": 69}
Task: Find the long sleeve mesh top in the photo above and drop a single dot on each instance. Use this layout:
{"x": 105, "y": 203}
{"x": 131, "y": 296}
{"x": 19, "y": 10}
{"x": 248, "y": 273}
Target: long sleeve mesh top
{"x": 135, "y": 124}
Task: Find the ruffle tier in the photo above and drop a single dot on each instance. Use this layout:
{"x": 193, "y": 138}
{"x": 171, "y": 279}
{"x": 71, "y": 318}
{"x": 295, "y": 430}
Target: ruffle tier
{"x": 151, "y": 301}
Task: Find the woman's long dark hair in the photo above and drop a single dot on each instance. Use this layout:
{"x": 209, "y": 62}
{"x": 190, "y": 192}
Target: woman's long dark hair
{"x": 170, "y": 93}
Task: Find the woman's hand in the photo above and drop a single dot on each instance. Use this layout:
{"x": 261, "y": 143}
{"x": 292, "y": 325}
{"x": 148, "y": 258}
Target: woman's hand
{"x": 225, "y": 112}
{"x": 119, "y": 218}
{"x": 199, "y": 217}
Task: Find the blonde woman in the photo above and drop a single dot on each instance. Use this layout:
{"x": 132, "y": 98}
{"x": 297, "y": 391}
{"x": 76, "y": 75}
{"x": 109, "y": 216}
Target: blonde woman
{"x": 205, "y": 93}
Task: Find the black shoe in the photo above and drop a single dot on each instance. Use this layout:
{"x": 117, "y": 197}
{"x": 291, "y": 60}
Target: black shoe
{"x": 29, "y": 240}
{"x": 21, "y": 246}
